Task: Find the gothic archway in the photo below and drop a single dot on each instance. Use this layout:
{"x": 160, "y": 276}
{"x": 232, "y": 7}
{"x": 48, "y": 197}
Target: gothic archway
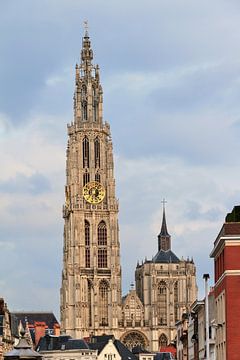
{"x": 163, "y": 341}
{"x": 133, "y": 339}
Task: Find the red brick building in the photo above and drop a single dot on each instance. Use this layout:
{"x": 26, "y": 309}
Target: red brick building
{"x": 226, "y": 254}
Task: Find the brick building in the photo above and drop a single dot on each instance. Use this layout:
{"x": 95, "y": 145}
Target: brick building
{"x": 226, "y": 254}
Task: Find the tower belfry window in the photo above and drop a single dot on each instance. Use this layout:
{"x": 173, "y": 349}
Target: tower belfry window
{"x": 95, "y": 105}
{"x": 87, "y": 244}
{"x": 102, "y": 245}
{"x": 85, "y": 150}
{"x": 97, "y": 152}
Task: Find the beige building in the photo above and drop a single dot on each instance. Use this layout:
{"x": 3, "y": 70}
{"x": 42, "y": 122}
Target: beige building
{"x": 91, "y": 297}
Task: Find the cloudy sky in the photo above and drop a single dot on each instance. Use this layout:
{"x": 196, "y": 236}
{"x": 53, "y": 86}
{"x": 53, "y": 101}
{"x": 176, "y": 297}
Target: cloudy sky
{"x": 170, "y": 71}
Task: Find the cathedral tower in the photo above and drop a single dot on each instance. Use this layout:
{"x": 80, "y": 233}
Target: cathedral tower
{"x": 91, "y": 277}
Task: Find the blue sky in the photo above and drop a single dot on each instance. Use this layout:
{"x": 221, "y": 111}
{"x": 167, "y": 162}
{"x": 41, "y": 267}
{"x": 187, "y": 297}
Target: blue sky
{"x": 170, "y": 72}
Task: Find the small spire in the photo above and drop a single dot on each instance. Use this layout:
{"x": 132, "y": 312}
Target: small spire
{"x": 164, "y": 231}
{"x": 86, "y": 53}
{"x": 164, "y": 239}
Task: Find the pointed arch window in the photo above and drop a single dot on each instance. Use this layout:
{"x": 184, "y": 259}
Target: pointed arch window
{"x": 89, "y": 303}
{"x": 84, "y": 110}
{"x": 95, "y": 105}
{"x": 103, "y": 303}
{"x": 97, "y": 177}
{"x": 97, "y": 152}
{"x": 176, "y": 301}
{"x": 162, "y": 303}
{"x": 86, "y": 178}
{"x": 87, "y": 244}
{"x": 163, "y": 341}
{"x": 102, "y": 245}
{"x": 85, "y": 151}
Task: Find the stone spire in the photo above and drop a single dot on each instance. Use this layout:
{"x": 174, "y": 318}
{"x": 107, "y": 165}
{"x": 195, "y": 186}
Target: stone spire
{"x": 88, "y": 97}
{"x": 86, "y": 53}
{"x": 164, "y": 239}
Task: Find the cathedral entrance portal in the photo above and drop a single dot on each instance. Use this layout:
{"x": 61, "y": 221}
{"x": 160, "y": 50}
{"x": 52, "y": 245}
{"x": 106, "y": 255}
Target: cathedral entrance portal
{"x": 134, "y": 338}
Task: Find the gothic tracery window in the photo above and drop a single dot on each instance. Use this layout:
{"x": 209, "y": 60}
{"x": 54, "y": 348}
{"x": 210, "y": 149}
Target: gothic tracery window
{"x": 103, "y": 303}
{"x": 89, "y": 303}
{"x": 95, "y": 105}
{"x": 84, "y": 103}
{"x": 163, "y": 341}
{"x": 87, "y": 244}
{"x": 134, "y": 339}
{"x": 97, "y": 177}
{"x": 85, "y": 151}
{"x": 102, "y": 245}
{"x": 162, "y": 303}
{"x": 97, "y": 152}
{"x": 86, "y": 177}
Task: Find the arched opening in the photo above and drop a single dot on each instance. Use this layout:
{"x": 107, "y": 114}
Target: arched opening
{"x": 133, "y": 339}
{"x": 103, "y": 303}
{"x": 97, "y": 152}
{"x": 163, "y": 341}
{"x": 85, "y": 151}
{"x": 102, "y": 245}
{"x": 162, "y": 303}
{"x": 89, "y": 303}
{"x": 87, "y": 244}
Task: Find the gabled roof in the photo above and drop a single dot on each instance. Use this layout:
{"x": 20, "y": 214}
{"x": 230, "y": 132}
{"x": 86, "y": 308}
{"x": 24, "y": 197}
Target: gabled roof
{"x": 165, "y": 257}
{"x": 124, "y": 352}
{"x": 121, "y": 348}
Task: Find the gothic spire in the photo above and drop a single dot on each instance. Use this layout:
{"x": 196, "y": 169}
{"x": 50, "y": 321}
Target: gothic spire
{"x": 88, "y": 96}
{"x": 86, "y": 53}
{"x": 164, "y": 231}
{"x": 164, "y": 239}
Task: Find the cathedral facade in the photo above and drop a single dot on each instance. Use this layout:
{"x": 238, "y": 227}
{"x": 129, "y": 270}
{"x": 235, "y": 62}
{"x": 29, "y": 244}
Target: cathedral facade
{"x": 91, "y": 296}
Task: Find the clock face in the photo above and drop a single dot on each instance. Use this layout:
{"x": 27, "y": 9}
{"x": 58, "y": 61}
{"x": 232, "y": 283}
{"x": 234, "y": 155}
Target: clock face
{"x": 93, "y": 192}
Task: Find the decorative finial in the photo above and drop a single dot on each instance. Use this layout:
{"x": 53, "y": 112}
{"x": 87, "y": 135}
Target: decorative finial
{"x": 85, "y": 24}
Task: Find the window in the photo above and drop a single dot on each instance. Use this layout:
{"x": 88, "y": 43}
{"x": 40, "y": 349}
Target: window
{"x": 84, "y": 103}
{"x": 97, "y": 152}
{"x": 85, "y": 146}
{"x": 103, "y": 303}
{"x": 97, "y": 177}
{"x": 133, "y": 339}
{"x": 176, "y": 301}
{"x": 102, "y": 233}
{"x": 163, "y": 341}
{"x": 87, "y": 244}
{"x": 95, "y": 105}
{"x": 162, "y": 303}
{"x": 102, "y": 258}
{"x": 102, "y": 245}
{"x": 86, "y": 178}
{"x": 89, "y": 303}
